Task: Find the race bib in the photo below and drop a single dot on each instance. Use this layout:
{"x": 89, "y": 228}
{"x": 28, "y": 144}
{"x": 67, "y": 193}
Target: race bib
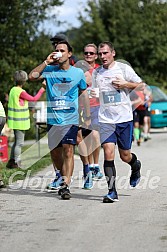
{"x": 60, "y": 103}
{"x": 111, "y": 97}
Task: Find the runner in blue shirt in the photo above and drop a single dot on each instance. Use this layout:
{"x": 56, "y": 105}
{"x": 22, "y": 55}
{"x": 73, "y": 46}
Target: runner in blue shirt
{"x": 64, "y": 83}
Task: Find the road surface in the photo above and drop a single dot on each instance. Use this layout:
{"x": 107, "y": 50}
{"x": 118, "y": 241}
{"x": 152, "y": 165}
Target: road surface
{"x": 33, "y": 220}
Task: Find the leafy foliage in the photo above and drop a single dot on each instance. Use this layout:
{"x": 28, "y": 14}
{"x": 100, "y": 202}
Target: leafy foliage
{"x": 138, "y": 30}
{"x": 22, "y": 45}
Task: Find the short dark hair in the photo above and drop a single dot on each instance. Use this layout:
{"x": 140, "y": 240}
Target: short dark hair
{"x": 110, "y": 45}
{"x": 67, "y": 44}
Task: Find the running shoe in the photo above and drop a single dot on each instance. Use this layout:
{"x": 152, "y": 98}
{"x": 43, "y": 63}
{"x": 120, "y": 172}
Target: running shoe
{"x": 138, "y": 142}
{"x": 55, "y": 185}
{"x": 96, "y": 175}
{"x": 111, "y": 197}
{"x": 135, "y": 174}
{"x": 1, "y": 183}
{"x": 88, "y": 182}
{"x": 12, "y": 164}
{"x": 92, "y": 171}
{"x": 64, "y": 192}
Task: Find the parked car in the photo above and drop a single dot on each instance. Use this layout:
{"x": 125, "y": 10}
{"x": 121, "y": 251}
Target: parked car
{"x": 158, "y": 108}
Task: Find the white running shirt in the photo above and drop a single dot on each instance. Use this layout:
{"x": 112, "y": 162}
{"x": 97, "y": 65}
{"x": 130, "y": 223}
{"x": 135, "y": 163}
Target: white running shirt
{"x": 115, "y": 105}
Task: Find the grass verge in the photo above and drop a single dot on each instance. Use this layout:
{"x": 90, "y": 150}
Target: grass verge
{"x": 6, "y": 173}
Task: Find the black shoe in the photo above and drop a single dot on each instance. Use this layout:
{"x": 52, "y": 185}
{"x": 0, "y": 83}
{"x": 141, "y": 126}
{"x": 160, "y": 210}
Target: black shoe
{"x": 111, "y": 197}
{"x": 12, "y": 164}
{"x": 64, "y": 192}
{"x": 135, "y": 174}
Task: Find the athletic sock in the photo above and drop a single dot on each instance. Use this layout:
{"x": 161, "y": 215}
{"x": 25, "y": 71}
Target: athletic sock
{"x": 91, "y": 166}
{"x": 136, "y": 133}
{"x": 132, "y": 163}
{"x": 110, "y": 173}
{"x": 58, "y": 174}
{"x": 96, "y": 167}
{"x": 86, "y": 170}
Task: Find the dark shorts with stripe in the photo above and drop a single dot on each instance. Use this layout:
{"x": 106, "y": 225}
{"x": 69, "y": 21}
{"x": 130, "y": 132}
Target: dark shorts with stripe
{"x": 59, "y": 135}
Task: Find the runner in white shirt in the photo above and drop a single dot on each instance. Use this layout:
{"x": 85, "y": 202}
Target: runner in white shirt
{"x": 115, "y": 80}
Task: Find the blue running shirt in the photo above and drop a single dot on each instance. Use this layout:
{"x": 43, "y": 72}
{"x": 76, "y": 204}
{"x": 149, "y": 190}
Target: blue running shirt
{"x": 62, "y": 91}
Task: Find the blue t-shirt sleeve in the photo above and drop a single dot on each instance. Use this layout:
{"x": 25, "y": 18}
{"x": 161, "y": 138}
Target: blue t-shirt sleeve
{"x": 44, "y": 72}
{"x": 47, "y": 70}
{"x": 82, "y": 83}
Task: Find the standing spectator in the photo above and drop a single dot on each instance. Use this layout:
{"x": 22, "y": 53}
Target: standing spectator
{"x": 2, "y": 123}
{"x": 115, "y": 80}
{"x": 63, "y": 85}
{"x": 2, "y": 117}
{"x": 18, "y": 115}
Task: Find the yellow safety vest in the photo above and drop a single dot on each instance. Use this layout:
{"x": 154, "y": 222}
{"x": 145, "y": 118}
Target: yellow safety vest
{"x": 18, "y": 116}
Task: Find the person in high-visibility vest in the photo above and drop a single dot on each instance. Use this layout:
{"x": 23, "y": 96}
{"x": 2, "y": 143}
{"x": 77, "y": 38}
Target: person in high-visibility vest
{"x": 18, "y": 115}
{"x": 2, "y": 123}
{"x": 2, "y": 117}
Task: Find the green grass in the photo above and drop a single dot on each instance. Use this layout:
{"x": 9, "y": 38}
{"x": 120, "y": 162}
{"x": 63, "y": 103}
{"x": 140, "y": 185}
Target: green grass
{"x": 6, "y": 173}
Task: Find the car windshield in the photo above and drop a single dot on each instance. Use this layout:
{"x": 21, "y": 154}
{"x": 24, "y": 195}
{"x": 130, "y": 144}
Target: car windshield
{"x": 158, "y": 95}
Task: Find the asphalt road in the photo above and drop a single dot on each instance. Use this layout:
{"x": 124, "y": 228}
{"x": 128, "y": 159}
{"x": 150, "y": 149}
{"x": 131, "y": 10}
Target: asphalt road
{"x": 32, "y": 219}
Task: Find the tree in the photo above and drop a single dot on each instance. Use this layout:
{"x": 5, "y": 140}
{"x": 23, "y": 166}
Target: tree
{"x": 137, "y": 30}
{"x": 22, "y": 46}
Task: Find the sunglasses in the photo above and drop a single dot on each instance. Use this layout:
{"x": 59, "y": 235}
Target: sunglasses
{"x": 91, "y": 53}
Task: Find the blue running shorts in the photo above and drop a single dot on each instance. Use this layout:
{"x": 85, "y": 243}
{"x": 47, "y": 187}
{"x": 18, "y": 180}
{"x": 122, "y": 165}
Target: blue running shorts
{"x": 120, "y": 134}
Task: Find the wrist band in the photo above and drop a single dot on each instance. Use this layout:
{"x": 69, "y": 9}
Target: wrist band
{"x": 45, "y": 63}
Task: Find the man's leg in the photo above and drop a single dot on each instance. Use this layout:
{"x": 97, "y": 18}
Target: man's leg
{"x": 135, "y": 164}
{"x": 110, "y": 172}
{"x": 96, "y": 152}
{"x": 108, "y": 139}
{"x": 57, "y": 159}
{"x": 125, "y": 131}
{"x": 54, "y": 138}
{"x": 68, "y": 142}
{"x": 68, "y": 163}
{"x": 82, "y": 148}
{"x": 83, "y": 151}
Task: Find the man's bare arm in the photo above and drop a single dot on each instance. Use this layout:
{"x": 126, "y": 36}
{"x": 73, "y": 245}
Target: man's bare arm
{"x": 119, "y": 83}
{"x": 35, "y": 74}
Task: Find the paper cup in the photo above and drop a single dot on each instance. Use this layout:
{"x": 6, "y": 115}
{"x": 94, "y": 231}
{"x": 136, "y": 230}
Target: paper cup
{"x": 57, "y": 55}
{"x": 97, "y": 92}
